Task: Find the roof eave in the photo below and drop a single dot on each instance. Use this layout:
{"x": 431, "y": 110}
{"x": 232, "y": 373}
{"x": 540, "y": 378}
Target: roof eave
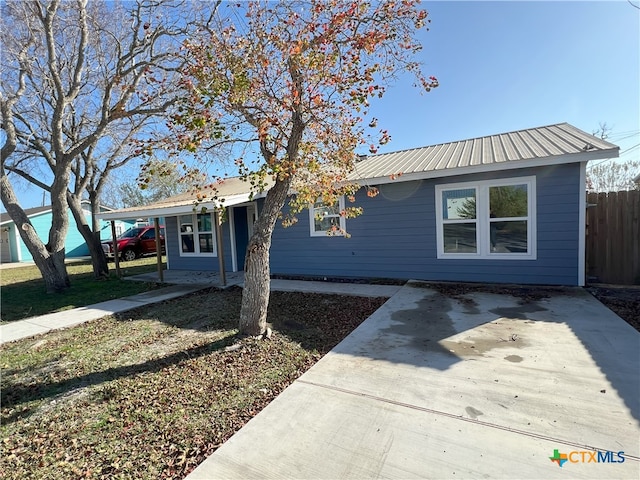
{"x": 174, "y": 210}
{"x": 510, "y": 165}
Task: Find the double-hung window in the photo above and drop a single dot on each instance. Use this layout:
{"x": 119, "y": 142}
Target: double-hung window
{"x": 493, "y": 219}
{"x": 326, "y": 219}
{"x": 196, "y": 235}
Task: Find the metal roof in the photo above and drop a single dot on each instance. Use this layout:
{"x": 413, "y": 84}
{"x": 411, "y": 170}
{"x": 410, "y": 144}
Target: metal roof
{"x": 233, "y": 190}
{"x": 552, "y": 144}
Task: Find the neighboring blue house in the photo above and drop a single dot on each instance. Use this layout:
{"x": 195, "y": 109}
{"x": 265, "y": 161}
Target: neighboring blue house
{"x": 507, "y": 208}
{"x": 13, "y": 249}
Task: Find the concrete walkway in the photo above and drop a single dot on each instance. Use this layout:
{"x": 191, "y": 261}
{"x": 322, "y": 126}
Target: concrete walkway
{"x": 184, "y": 283}
{"x": 29, "y": 327}
{"x": 480, "y": 386}
{"x": 188, "y": 277}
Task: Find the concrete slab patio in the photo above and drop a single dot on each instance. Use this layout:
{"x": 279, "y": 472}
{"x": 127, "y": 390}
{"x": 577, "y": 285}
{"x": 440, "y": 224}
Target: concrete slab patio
{"x": 477, "y": 386}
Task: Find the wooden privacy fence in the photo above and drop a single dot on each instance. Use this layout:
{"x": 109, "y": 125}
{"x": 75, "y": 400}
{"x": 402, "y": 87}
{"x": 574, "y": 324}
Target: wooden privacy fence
{"x": 613, "y": 237}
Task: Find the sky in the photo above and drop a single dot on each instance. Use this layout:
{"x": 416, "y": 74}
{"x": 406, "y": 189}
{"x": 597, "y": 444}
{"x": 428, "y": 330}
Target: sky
{"x": 505, "y": 66}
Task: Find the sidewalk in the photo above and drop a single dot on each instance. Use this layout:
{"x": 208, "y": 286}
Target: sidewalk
{"x": 9, "y": 265}
{"x": 29, "y": 327}
{"x": 184, "y": 283}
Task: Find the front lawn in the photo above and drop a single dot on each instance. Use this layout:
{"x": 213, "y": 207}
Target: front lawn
{"x": 152, "y": 392}
{"x": 23, "y": 292}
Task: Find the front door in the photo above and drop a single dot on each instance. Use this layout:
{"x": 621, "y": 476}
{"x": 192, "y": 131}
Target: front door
{"x": 5, "y": 246}
{"x": 243, "y": 219}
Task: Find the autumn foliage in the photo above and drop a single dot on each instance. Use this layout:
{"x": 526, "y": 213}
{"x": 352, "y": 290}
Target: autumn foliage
{"x": 289, "y": 84}
{"x": 294, "y": 80}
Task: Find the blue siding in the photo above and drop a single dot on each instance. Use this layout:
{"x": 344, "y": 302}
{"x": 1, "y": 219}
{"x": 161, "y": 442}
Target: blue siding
{"x": 75, "y": 246}
{"x": 194, "y": 263}
{"x": 396, "y": 237}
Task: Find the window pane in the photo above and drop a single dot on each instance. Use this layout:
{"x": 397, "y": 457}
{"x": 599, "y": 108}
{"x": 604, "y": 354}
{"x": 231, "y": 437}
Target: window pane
{"x": 508, "y": 201}
{"x": 509, "y": 237}
{"x": 206, "y": 243}
{"x": 459, "y": 204}
{"x": 131, "y": 233}
{"x": 186, "y": 223}
{"x": 460, "y": 238}
{"x": 321, "y": 210}
{"x": 187, "y": 243}
{"x": 204, "y": 223}
{"x": 327, "y": 223}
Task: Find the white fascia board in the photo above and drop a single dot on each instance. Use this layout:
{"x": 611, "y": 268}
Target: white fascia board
{"x": 33, "y": 215}
{"x": 494, "y": 167}
{"x": 172, "y": 210}
{"x": 168, "y": 211}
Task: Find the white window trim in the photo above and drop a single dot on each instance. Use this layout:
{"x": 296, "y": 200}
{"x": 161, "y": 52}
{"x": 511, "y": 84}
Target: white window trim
{"x": 196, "y": 242}
{"x": 324, "y": 233}
{"x": 483, "y": 219}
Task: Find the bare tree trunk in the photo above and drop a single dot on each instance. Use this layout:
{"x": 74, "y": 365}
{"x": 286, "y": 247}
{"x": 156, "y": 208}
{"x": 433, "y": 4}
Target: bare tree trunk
{"x": 91, "y": 237}
{"x": 59, "y": 218}
{"x": 255, "y": 296}
{"x": 50, "y": 264}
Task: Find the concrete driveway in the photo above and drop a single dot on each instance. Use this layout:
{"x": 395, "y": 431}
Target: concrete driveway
{"x": 476, "y": 386}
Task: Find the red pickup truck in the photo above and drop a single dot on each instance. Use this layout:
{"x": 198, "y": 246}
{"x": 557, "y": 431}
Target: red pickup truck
{"x": 135, "y": 242}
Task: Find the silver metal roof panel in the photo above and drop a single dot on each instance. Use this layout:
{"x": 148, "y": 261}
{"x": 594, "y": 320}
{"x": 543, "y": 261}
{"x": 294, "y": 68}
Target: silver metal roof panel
{"x": 549, "y": 145}
{"x": 552, "y": 143}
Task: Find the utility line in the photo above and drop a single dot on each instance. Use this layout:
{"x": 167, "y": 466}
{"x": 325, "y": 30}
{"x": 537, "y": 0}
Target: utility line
{"x": 630, "y": 134}
{"x": 624, "y": 152}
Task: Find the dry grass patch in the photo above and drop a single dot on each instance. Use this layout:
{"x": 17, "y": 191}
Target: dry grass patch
{"x": 23, "y": 290}
{"x": 152, "y": 393}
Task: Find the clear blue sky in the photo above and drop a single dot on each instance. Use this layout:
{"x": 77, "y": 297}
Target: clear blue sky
{"x": 505, "y": 66}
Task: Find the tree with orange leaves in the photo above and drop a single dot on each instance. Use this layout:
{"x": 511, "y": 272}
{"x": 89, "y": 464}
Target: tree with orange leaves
{"x": 294, "y": 80}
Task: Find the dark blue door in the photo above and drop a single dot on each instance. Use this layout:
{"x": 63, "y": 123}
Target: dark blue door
{"x": 242, "y": 234}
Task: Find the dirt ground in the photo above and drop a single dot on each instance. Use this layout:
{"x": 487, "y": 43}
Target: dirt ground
{"x": 624, "y": 301}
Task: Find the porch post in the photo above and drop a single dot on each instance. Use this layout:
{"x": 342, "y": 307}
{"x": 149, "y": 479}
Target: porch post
{"x": 223, "y": 276}
{"x": 156, "y": 224}
{"x": 116, "y": 254}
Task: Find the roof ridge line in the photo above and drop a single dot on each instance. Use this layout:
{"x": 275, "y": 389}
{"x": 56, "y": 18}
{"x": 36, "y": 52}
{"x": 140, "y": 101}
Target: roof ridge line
{"x": 469, "y": 139}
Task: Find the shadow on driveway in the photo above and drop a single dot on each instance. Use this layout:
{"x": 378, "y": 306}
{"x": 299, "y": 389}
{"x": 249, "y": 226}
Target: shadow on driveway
{"x": 466, "y": 384}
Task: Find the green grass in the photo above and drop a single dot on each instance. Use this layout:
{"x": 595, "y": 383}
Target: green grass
{"x": 152, "y": 392}
{"x": 23, "y": 292}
